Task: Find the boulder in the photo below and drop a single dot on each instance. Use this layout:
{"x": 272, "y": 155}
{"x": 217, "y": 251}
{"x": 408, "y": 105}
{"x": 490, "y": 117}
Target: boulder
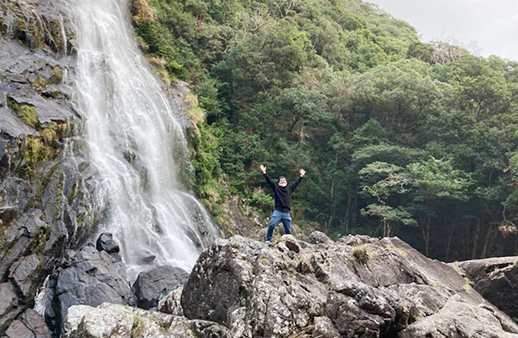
{"x": 91, "y": 278}
{"x": 317, "y": 237}
{"x": 172, "y": 303}
{"x": 496, "y": 279}
{"x": 105, "y": 242}
{"x": 153, "y": 285}
{"x": 29, "y": 325}
{"x": 355, "y": 287}
{"x": 110, "y": 320}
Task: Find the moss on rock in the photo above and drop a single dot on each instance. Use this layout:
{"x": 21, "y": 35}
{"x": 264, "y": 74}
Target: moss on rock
{"x": 39, "y": 84}
{"x": 361, "y": 254}
{"x": 49, "y": 135}
{"x": 35, "y": 152}
{"x": 29, "y": 115}
{"x": 58, "y": 75}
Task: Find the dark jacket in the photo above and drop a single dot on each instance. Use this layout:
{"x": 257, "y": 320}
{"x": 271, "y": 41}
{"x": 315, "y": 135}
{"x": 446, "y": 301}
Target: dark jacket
{"x": 282, "y": 194}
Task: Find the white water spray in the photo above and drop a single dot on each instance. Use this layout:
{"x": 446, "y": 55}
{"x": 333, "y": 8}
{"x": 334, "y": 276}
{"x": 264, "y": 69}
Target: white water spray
{"x": 133, "y": 136}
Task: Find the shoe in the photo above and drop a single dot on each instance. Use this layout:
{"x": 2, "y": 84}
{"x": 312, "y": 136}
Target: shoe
{"x": 268, "y": 242}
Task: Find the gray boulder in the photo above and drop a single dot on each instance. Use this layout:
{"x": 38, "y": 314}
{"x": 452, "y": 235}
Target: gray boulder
{"x": 105, "y": 242}
{"x": 92, "y": 278}
{"x": 356, "y": 287}
{"x": 110, "y": 320}
{"x": 496, "y": 279}
{"x": 153, "y": 285}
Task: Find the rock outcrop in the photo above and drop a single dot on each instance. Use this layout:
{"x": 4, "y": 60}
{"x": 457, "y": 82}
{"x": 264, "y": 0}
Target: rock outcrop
{"x": 496, "y": 279}
{"x": 29, "y": 325}
{"x": 46, "y": 195}
{"x": 356, "y": 287}
{"x": 89, "y": 277}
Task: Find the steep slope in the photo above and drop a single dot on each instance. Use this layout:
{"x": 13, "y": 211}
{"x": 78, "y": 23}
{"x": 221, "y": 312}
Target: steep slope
{"x": 46, "y": 201}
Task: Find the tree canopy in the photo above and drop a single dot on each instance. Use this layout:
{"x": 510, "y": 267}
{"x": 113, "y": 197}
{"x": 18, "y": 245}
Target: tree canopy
{"x": 421, "y": 138}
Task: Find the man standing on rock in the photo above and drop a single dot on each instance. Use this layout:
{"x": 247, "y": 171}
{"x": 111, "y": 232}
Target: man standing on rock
{"x": 282, "y": 202}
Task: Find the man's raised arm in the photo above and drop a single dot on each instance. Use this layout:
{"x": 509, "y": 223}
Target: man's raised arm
{"x": 266, "y": 177}
{"x": 302, "y": 173}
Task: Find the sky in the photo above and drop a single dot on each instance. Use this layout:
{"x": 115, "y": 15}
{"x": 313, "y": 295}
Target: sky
{"x": 491, "y": 24}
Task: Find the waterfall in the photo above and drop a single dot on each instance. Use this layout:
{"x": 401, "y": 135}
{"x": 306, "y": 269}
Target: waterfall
{"x": 135, "y": 141}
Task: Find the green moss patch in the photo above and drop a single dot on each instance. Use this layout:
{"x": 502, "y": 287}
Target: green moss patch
{"x": 138, "y": 327}
{"x": 35, "y": 152}
{"x": 28, "y": 115}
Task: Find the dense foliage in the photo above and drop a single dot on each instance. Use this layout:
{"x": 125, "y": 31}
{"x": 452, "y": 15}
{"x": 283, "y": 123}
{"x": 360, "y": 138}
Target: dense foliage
{"x": 399, "y": 137}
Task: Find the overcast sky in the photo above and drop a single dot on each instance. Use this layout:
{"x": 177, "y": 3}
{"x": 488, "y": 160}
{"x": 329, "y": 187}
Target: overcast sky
{"x": 492, "y": 24}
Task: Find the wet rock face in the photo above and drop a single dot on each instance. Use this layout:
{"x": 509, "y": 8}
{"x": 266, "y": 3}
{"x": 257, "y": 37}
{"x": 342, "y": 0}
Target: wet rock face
{"x": 91, "y": 277}
{"x": 356, "y": 287}
{"x": 46, "y": 200}
{"x": 153, "y": 285}
{"x": 496, "y": 279}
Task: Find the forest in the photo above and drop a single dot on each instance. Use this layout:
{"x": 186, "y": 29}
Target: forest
{"x": 400, "y": 137}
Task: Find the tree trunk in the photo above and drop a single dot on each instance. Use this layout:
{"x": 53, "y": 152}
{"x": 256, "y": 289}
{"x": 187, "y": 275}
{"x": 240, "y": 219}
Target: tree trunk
{"x": 347, "y": 213}
{"x": 490, "y": 236}
{"x": 450, "y": 238}
{"x": 427, "y": 243}
{"x": 475, "y": 239}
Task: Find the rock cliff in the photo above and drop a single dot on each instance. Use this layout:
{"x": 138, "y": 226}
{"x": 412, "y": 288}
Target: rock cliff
{"x": 46, "y": 195}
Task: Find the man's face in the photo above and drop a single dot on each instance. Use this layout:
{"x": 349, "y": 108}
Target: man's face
{"x": 283, "y": 182}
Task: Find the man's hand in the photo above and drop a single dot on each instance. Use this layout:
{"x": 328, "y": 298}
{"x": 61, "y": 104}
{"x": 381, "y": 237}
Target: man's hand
{"x": 262, "y": 168}
{"x": 302, "y": 172}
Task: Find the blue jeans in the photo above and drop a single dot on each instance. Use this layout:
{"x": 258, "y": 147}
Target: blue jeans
{"x": 277, "y": 217}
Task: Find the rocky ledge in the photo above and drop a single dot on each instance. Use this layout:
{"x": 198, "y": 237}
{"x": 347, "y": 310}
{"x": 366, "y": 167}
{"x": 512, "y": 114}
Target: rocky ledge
{"x": 355, "y": 287}
{"x": 496, "y": 279}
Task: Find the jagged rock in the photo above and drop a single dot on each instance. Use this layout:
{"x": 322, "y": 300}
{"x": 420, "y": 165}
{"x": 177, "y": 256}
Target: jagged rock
{"x": 29, "y": 231}
{"x": 318, "y": 237}
{"x": 324, "y": 328}
{"x": 93, "y": 277}
{"x": 458, "y": 318}
{"x": 110, "y": 320}
{"x": 291, "y": 243}
{"x": 496, "y": 279}
{"x": 365, "y": 287}
{"x": 153, "y": 285}
{"x": 29, "y": 325}
{"x": 28, "y": 250}
{"x": 8, "y": 306}
{"x": 105, "y": 242}
{"x": 172, "y": 303}
{"x": 23, "y": 272}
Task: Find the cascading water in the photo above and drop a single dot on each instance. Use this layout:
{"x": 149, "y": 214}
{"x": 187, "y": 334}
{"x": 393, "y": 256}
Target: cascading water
{"x": 133, "y": 135}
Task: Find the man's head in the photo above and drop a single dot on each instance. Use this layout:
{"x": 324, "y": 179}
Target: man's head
{"x": 282, "y": 181}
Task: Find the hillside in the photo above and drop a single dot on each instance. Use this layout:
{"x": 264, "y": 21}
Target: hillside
{"x": 398, "y": 136}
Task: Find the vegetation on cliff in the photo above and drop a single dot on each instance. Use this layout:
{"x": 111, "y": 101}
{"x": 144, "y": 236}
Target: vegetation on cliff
{"x": 398, "y": 136}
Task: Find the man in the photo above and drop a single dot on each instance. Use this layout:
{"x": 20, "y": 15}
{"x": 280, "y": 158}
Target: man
{"x": 282, "y": 202}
